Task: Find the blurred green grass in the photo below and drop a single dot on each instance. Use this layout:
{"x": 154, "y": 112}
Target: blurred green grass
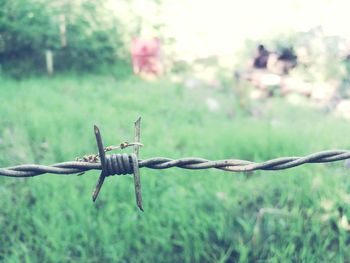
{"x": 190, "y": 216}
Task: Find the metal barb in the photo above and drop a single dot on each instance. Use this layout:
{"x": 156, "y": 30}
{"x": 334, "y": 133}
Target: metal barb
{"x": 137, "y": 180}
{"x": 102, "y": 155}
{"x": 137, "y": 136}
{"x": 135, "y": 164}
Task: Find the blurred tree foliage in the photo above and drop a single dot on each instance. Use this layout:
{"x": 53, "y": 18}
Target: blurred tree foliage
{"x": 82, "y": 35}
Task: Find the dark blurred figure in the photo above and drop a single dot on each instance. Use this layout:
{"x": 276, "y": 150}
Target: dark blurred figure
{"x": 260, "y": 61}
{"x": 288, "y": 59}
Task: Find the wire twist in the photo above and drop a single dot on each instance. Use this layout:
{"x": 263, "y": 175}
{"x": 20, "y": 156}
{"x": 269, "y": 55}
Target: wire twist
{"x": 117, "y": 164}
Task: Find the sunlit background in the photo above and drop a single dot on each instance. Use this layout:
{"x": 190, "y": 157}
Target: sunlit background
{"x": 204, "y": 28}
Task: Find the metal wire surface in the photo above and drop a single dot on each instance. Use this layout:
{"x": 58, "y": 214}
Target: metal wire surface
{"x": 117, "y": 164}
{"x": 231, "y": 165}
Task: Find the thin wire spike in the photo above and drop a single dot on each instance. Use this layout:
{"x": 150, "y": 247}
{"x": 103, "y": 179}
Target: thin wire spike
{"x": 102, "y": 155}
{"x": 137, "y": 180}
{"x": 137, "y": 136}
{"x": 98, "y": 186}
{"x": 101, "y": 149}
{"x": 137, "y": 184}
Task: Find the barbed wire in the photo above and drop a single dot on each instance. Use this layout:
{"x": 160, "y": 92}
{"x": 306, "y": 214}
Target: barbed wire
{"x": 193, "y": 163}
{"x": 130, "y": 164}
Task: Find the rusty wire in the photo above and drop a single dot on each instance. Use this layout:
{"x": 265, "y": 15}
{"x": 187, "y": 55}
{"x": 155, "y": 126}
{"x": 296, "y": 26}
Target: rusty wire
{"x": 101, "y": 161}
{"x": 193, "y": 163}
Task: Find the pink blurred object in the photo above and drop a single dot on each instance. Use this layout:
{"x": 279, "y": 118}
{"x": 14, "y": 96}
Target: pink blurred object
{"x": 146, "y": 56}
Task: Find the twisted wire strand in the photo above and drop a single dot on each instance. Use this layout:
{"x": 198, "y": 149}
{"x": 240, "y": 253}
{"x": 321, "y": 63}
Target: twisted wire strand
{"x": 230, "y": 165}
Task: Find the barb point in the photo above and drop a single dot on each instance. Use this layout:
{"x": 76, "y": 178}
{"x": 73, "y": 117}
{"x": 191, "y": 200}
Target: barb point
{"x": 138, "y": 120}
{"x": 96, "y": 129}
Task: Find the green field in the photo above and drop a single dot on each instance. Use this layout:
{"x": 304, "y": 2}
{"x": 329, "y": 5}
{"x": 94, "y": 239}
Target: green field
{"x": 295, "y": 215}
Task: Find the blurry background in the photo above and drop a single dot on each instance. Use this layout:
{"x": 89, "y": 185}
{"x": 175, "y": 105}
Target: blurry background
{"x": 249, "y": 80}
